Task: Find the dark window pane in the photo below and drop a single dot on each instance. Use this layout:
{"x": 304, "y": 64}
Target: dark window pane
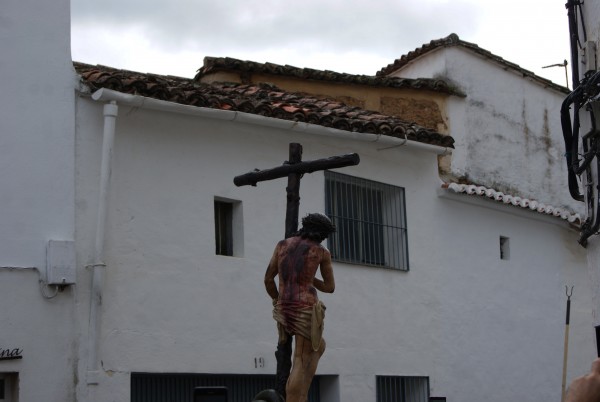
{"x": 402, "y": 389}
{"x": 223, "y": 228}
{"x": 169, "y": 387}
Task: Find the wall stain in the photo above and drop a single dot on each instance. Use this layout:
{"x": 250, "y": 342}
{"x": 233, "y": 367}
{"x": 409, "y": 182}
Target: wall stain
{"x": 526, "y": 130}
{"x": 547, "y": 138}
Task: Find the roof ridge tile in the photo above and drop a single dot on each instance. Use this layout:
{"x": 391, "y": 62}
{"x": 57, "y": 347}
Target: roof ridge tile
{"x": 514, "y": 200}
{"x": 215, "y": 64}
{"x": 454, "y": 40}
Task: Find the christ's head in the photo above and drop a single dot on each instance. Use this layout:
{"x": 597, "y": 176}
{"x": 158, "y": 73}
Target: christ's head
{"x": 316, "y": 227}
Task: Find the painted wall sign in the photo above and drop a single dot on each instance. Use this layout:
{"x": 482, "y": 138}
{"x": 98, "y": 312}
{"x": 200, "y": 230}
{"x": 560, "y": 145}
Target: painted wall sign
{"x": 11, "y": 354}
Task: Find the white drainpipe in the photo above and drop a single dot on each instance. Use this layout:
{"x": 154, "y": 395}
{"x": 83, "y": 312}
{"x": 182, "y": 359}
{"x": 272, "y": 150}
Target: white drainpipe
{"x": 110, "y": 116}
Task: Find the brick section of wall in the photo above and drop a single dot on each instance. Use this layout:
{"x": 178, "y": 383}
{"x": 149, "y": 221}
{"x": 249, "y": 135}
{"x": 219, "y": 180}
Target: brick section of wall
{"x": 426, "y": 113}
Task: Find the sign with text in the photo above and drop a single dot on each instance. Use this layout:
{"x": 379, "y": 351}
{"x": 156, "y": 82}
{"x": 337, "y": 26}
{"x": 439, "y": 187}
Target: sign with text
{"x": 11, "y": 354}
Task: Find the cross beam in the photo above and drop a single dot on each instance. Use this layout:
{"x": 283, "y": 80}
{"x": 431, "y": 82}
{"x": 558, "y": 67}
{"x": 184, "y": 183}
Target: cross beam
{"x": 294, "y": 168}
{"x": 251, "y": 178}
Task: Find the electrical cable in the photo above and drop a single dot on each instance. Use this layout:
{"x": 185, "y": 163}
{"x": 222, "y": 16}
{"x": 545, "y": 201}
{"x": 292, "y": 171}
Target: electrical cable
{"x": 41, "y": 281}
{"x": 565, "y": 118}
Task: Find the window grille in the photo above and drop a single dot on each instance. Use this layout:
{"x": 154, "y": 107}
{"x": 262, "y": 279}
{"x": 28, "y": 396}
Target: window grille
{"x": 370, "y": 218}
{"x": 171, "y": 387}
{"x": 402, "y": 389}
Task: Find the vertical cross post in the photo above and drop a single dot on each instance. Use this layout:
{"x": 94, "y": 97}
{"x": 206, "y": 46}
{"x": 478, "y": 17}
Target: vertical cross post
{"x": 283, "y": 354}
{"x": 293, "y": 192}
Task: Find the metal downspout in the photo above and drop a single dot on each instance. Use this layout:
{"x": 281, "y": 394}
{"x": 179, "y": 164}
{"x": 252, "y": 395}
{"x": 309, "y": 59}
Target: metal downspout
{"x": 99, "y": 265}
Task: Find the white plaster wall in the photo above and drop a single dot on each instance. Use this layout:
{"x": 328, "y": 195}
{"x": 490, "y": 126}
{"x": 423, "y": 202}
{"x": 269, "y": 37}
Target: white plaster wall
{"x": 171, "y": 305}
{"x": 432, "y": 65}
{"x": 507, "y": 129}
{"x": 36, "y": 193}
{"x": 507, "y": 316}
{"x": 46, "y": 332}
{"x": 534, "y": 152}
{"x": 37, "y": 125}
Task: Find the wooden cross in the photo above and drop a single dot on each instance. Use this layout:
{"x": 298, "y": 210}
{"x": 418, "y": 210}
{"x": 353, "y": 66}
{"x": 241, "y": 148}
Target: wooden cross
{"x": 294, "y": 168}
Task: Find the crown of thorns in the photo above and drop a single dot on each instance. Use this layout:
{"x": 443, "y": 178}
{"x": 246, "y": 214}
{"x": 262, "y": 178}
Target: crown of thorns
{"x": 319, "y": 222}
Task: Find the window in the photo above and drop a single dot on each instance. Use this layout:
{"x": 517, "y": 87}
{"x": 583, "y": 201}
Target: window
{"x": 504, "y": 248}
{"x": 9, "y": 387}
{"x": 168, "y": 387}
{"x": 370, "y": 218}
{"x": 402, "y": 389}
{"x": 228, "y": 227}
{"x": 223, "y": 228}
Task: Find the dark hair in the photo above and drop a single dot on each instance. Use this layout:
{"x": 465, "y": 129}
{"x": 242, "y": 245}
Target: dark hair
{"x": 316, "y": 227}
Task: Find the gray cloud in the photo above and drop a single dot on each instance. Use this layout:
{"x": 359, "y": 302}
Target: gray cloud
{"x": 336, "y": 26}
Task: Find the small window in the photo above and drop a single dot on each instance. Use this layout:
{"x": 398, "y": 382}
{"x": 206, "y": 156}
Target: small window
{"x": 228, "y": 227}
{"x": 9, "y": 387}
{"x": 223, "y": 228}
{"x": 504, "y": 248}
{"x": 402, "y": 389}
{"x": 370, "y": 219}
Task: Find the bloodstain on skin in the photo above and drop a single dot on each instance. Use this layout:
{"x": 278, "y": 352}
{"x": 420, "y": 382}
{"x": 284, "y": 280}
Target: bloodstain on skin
{"x": 298, "y": 263}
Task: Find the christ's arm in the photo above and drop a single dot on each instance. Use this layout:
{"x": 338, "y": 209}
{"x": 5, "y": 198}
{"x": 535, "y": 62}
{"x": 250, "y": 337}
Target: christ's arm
{"x": 270, "y": 275}
{"x": 326, "y": 285}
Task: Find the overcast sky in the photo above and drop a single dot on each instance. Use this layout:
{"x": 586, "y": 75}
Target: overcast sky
{"x": 352, "y": 36}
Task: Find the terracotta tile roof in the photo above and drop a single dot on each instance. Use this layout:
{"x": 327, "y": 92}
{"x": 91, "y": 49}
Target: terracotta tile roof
{"x": 265, "y": 100}
{"x": 454, "y": 40}
{"x": 216, "y": 64}
{"x": 524, "y": 203}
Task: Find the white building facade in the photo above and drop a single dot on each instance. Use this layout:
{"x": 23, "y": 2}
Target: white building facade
{"x": 170, "y": 305}
{"x": 507, "y": 128}
{"x": 37, "y": 200}
{"x": 130, "y": 190}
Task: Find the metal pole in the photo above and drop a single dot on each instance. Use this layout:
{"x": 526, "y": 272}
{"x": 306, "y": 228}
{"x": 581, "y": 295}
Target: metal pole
{"x": 598, "y": 340}
{"x": 574, "y": 36}
{"x": 566, "y": 348}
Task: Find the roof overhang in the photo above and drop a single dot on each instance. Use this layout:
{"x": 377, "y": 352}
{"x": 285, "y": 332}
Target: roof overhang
{"x": 387, "y": 142}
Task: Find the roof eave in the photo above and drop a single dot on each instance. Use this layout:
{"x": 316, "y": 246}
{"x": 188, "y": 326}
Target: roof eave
{"x": 489, "y": 198}
{"x": 387, "y": 142}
